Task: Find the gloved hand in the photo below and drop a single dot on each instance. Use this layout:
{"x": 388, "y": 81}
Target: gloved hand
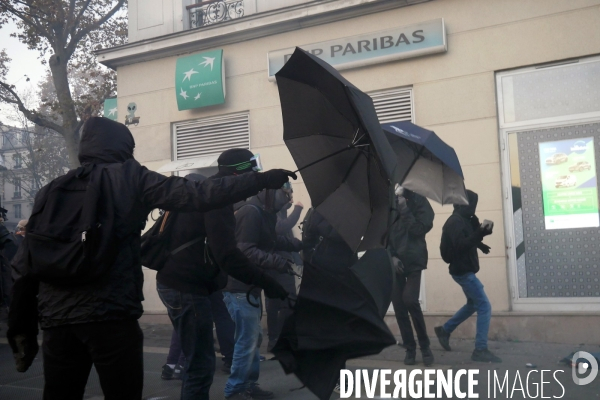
{"x": 398, "y": 266}
{"x": 484, "y": 232}
{"x": 475, "y": 222}
{"x": 275, "y": 178}
{"x": 25, "y": 348}
{"x": 272, "y": 288}
{"x": 484, "y": 248}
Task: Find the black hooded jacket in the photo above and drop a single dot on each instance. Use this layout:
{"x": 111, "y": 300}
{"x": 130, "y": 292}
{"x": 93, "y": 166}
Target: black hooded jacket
{"x": 134, "y": 191}
{"x": 407, "y": 234}
{"x": 257, "y": 238}
{"x": 189, "y": 270}
{"x": 461, "y": 235}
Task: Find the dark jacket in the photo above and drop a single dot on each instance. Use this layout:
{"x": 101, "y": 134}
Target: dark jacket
{"x": 323, "y": 245}
{"x": 189, "y": 270}
{"x": 460, "y": 237}
{"x": 135, "y": 192}
{"x": 407, "y": 234}
{"x": 285, "y": 224}
{"x": 257, "y": 239}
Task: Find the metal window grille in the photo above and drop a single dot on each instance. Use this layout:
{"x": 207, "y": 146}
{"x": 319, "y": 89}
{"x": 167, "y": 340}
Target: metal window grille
{"x": 213, "y": 135}
{"x": 393, "y": 105}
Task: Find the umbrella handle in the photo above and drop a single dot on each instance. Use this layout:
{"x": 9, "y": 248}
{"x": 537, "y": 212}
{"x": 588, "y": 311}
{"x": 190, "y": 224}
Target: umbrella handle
{"x": 350, "y": 146}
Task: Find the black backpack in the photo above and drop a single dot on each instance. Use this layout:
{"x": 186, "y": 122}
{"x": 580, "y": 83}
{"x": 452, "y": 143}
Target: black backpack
{"x": 155, "y": 243}
{"x": 446, "y": 246}
{"x": 70, "y": 236}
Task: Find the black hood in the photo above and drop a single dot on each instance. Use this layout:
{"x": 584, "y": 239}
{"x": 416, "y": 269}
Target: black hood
{"x": 105, "y": 141}
{"x": 467, "y": 211}
{"x": 195, "y": 177}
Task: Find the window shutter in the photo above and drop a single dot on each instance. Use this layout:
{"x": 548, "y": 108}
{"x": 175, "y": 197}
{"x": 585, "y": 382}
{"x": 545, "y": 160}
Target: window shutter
{"x": 213, "y": 135}
{"x": 393, "y": 105}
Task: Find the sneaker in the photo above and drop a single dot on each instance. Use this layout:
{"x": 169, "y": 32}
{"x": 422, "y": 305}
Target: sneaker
{"x": 443, "y": 337}
{"x": 178, "y": 372}
{"x": 257, "y": 393}
{"x": 262, "y": 358}
{"x": 410, "y": 358}
{"x": 169, "y": 373}
{"x": 484, "y": 355}
{"x": 239, "y": 396}
{"x": 427, "y": 356}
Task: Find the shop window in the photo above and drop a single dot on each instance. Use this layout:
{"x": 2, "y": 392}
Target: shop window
{"x": 206, "y": 136}
{"x": 549, "y": 119}
{"x": 393, "y": 105}
{"x": 17, "y": 211}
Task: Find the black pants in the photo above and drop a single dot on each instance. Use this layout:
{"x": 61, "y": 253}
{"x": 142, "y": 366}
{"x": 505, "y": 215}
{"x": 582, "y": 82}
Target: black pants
{"x": 224, "y": 326}
{"x": 406, "y": 301}
{"x": 115, "y": 348}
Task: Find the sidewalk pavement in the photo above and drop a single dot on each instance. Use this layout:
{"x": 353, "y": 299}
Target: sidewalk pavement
{"x": 515, "y": 355}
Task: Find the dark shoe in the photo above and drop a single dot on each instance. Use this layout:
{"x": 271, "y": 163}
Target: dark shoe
{"x": 239, "y": 396}
{"x": 257, "y": 393}
{"x": 484, "y": 355}
{"x": 410, "y": 358}
{"x": 443, "y": 337}
{"x": 178, "y": 372}
{"x": 427, "y": 356}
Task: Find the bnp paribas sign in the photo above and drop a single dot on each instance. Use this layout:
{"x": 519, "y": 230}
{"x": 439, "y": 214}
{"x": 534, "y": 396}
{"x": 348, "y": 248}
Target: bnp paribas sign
{"x": 200, "y": 80}
{"x": 372, "y": 48}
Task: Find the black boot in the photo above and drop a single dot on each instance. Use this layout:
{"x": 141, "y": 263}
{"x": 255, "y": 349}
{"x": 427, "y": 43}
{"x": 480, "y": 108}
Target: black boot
{"x": 411, "y": 355}
{"x": 427, "y": 356}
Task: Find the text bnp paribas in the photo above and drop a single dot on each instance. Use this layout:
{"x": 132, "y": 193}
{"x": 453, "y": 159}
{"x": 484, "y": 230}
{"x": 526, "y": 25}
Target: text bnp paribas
{"x": 371, "y": 48}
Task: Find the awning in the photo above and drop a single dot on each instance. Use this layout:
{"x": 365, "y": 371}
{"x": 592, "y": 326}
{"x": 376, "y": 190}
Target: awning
{"x": 190, "y": 163}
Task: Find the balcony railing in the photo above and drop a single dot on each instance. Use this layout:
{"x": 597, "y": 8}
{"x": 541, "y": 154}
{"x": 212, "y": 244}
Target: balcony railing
{"x": 214, "y": 12}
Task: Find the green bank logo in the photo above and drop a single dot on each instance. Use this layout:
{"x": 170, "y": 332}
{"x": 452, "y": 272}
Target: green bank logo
{"x": 200, "y": 80}
{"x": 110, "y": 108}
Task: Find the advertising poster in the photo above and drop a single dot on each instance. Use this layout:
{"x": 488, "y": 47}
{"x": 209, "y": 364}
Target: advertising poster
{"x": 569, "y": 184}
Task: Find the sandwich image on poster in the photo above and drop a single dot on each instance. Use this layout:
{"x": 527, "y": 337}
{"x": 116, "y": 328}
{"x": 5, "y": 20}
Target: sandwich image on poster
{"x": 569, "y": 183}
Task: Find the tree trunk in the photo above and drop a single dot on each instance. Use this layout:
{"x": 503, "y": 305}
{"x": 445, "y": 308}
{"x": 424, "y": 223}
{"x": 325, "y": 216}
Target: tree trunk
{"x": 70, "y": 123}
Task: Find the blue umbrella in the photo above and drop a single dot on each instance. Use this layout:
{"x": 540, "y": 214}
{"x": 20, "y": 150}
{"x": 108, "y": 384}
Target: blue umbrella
{"x": 426, "y": 165}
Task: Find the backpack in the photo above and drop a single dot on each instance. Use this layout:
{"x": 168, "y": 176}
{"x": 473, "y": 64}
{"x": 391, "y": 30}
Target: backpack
{"x": 156, "y": 241}
{"x": 446, "y": 246}
{"x": 70, "y": 232}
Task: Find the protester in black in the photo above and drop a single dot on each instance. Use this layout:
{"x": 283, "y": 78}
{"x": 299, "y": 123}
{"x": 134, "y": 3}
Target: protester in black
{"x": 96, "y": 323}
{"x": 190, "y": 284}
{"x": 413, "y": 219}
{"x": 462, "y": 235}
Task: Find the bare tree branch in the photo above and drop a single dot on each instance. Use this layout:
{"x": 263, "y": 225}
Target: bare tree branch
{"x": 34, "y": 117}
{"x": 84, "y": 31}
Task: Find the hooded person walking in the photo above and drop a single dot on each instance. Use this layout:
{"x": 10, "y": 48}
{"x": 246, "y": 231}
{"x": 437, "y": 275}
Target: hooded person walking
{"x": 95, "y": 322}
{"x": 462, "y": 235}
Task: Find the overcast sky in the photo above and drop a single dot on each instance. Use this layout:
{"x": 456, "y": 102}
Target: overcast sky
{"x": 24, "y": 62}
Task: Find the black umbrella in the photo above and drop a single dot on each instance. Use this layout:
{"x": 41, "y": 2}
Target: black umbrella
{"x": 334, "y": 136}
{"x": 338, "y": 316}
{"x": 426, "y": 164}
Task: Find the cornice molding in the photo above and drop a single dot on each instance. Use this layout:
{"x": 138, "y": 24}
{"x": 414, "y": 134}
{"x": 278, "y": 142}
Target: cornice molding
{"x": 251, "y": 27}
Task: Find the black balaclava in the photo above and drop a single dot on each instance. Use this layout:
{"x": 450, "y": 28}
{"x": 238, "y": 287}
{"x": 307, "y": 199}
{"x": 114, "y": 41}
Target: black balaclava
{"x": 105, "y": 141}
{"x": 467, "y": 211}
{"x": 232, "y": 162}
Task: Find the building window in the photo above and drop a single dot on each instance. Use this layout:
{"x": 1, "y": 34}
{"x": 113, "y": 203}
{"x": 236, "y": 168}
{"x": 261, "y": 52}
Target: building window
{"x": 18, "y": 161}
{"x": 17, "y": 211}
{"x": 207, "y": 136}
{"x": 17, "y": 183}
{"x": 393, "y": 105}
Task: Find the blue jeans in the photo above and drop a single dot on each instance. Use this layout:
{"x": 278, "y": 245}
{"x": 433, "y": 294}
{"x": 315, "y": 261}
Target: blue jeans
{"x": 191, "y": 317}
{"x": 476, "y": 301}
{"x": 248, "y": 334}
